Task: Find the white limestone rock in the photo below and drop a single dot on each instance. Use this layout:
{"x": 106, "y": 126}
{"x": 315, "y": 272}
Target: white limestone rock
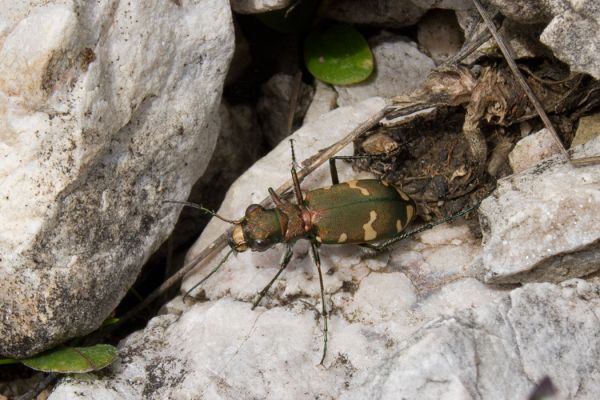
{"x": 587, "y": 129}
{"x": 572, "y": 28}
{"x": 440, "y": 35}
{"x": 323, "y": 101}
{"x": 543, "y": 224}
{"x": 532, "y": 149}
{"x": 106, "y": 109}
{"x": 498, "y": 348}
{"x": 400, "y": 67}
{"x": 574, "y": 34}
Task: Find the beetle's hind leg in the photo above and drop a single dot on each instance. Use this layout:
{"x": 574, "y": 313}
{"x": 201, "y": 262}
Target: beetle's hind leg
{"x": 387, "y": 243}
{"x": 285, "y": 260}
{"x": 333, "y": 169}
{"x": 317, "y": 260}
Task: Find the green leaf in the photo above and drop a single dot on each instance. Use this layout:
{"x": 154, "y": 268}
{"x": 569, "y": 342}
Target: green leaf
{"x": 338, "y": 55}
{"x": 109, "y": 322}
{"x": 73, "y": 359}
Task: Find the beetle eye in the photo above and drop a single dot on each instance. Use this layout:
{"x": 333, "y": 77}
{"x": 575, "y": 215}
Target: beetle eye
{"x": 252, "y": 208}
{"x": 261, "y": 245}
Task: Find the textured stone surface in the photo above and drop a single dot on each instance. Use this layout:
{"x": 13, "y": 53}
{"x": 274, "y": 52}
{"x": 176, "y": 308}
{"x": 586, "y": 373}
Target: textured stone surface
{"x": 399, "y": 69}
{"x": 572, "y": 28}
{"x": 496, "y": 349}
{"x": 587, "y": 129}
{"x": 543, "y": 223}
{"x": 323, "y": 101}
{"x": 574, "y": 34}
{"x": 532, "y": 149}
{"x": 439, "y": 35}
{"x": 106, "y": 109}
{"x": 273, "y": 107}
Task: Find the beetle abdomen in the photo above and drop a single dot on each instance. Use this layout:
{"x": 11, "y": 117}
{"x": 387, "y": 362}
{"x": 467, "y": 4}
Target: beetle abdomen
{"x": 359, "y": 212}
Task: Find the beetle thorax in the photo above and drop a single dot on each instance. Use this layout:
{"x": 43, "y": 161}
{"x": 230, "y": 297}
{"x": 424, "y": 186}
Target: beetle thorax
{"x": 298, "y": 221}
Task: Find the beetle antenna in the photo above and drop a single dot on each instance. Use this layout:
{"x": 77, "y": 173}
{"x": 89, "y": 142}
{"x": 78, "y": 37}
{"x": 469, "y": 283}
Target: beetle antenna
{"x": 199, "y": 207}
{"x": 215, "y": 269}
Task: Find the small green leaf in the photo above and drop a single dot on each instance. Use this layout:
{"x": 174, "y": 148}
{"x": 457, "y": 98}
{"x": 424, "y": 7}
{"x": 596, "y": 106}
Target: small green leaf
{"x": 109, "y": 322}
{"x": 338, "y": 55}
{"x": 73, "y": 359}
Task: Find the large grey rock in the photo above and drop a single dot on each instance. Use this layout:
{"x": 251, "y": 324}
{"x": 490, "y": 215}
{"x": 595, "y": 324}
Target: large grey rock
{"x": 490, "y": 350}
{"x": 543, "y": 224}
{"x": 400, "y": 67}
{"x": 574, "y": 34}
{"x": 106, "y": 109}
{"x": 572, "y": 28}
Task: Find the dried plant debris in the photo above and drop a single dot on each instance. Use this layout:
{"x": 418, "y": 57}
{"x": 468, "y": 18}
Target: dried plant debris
{"x": 468, "y": 121}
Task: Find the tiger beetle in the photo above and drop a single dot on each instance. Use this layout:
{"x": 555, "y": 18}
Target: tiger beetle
{"x": 366, "y": 212}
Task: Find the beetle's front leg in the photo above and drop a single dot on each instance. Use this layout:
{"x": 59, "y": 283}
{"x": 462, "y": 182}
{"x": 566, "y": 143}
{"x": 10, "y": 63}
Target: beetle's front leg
{"x": 285, "y": 260}
{"x": 317, "y": 260}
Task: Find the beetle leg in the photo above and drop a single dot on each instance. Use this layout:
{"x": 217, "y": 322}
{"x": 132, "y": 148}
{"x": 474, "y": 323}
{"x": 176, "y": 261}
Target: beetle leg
{"x": 333, "y": 169}
{"x": 387, "y": 243}
{"x": 287, "y": 256}
{"x": 275, "y": 198}
{"x": 317, "y": 259}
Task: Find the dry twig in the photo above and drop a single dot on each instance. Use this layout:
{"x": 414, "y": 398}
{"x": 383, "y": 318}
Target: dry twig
{"x": 506, "y": 51}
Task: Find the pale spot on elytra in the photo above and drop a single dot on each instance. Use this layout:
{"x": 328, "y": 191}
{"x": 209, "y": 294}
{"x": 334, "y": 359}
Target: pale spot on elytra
{"x": 398, "y": 225}
{"x": 343, "y": 238}
{"x": 354, "y": 185}
{"x": 319, "y": 239}
{"x": 370, "y": 233}
{"x": 403, "y": 195}
{"x": 410, "y": 213}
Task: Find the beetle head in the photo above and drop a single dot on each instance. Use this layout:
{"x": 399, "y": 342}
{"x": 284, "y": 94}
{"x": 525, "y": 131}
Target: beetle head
{"x": 259, "y": 230}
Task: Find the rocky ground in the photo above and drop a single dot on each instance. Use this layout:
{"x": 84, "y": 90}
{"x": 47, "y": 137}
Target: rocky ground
{"x": 108, "y": 111}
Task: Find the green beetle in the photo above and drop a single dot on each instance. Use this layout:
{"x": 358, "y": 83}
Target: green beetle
{"x": 367, "y": 212}
{"x": 354, "y": 212}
